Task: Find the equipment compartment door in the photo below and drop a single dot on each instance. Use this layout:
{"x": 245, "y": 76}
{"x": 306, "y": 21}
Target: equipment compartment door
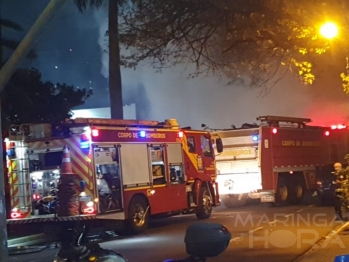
{"x": 135, "y": 165}
{"x": 177, "y": 179}
{"x": 168, "y": 182}
{"x": 106, "y": 158}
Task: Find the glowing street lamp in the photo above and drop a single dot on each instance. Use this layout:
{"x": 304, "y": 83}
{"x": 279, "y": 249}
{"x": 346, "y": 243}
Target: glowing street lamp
{"x": 329, "y": 30}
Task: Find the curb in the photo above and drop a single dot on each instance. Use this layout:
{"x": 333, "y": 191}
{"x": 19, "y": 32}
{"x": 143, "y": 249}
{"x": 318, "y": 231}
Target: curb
{"x": 334, "y": 231}
{"x": 26, "y": 241}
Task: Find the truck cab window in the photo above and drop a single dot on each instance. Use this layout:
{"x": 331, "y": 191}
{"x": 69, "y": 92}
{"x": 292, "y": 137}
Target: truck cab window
{"x": 191, "y": 144}
{"x": 205, "y": 145}
{"x": 158, "y": 165}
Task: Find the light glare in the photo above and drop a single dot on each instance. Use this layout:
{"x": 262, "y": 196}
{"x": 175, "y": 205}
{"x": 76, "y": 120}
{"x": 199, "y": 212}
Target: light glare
{"x": 329, "y": 30}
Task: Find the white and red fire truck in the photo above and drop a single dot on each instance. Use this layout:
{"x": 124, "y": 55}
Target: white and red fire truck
{"x": 128, "y": 169}
{"x": 276, "y": 161}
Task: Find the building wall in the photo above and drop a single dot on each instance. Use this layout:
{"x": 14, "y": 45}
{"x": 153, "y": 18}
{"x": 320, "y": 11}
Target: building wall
{"x": 104, "y": 112}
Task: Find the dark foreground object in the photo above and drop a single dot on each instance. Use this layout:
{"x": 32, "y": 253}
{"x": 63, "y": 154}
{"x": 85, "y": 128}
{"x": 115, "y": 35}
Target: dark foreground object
{"x": 205, "y": 240}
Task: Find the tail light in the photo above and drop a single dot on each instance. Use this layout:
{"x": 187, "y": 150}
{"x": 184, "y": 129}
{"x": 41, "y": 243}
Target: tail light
{"x": 36, "y": 196}
{"x": 15, "y": 213}
{"x": 88, "y": 208}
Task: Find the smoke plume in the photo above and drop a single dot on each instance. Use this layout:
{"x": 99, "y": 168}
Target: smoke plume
{"x": 171, "y": 94}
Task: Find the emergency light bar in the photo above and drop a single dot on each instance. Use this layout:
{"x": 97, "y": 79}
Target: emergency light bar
{"x": 255, "y": 138}
{"x": 338, "y": 127}
{"x": 142, "y": 134}
{"x": 95, "y": 132}
{"x": 85, "y": 141}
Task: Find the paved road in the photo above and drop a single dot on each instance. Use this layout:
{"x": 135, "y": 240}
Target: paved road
{"x": 258, "y": 231}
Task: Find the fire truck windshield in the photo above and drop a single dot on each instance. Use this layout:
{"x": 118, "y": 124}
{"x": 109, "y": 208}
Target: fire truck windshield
{"x": 206, "y": 146}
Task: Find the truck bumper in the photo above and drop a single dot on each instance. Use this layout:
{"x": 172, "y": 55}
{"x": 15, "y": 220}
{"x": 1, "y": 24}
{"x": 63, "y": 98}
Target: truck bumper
{"x": 48, "y": 218}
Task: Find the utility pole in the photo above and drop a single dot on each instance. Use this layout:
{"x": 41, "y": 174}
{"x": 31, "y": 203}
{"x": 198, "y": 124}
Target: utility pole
{"x": 5, "y": 74}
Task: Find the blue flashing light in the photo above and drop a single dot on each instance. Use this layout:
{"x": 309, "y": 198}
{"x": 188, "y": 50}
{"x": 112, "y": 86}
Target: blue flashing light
{"x": 142, "y": 134}
{"x": 85, "y": 144}
{"x": 255, "y": 138}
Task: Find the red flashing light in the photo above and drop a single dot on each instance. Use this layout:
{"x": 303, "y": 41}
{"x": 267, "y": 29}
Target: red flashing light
{"x": 327, "y": 133}
{"x": 274, "y": 130}
{"x": 15, "y": 215}
{"x": 36, "y": 196}
{"x": 180, "y": 134}
{"x": 88, "y": 210}
{"x": 95, "y": 132}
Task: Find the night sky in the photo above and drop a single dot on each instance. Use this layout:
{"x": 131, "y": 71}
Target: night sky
{"x": 71, "y": 51}
{"x": 67, "y": 50}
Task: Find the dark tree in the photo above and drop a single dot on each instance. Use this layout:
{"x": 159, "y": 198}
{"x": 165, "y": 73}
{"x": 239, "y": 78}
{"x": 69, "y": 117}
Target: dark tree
{"x": 10, "y": 44}
{"x": 28, "y": 99}
{"x": 261, "y": 40}
{"x": 115, "y": 87}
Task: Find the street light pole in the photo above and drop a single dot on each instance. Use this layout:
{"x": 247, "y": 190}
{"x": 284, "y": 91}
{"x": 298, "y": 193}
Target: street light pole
{"x": 5, "y": 74}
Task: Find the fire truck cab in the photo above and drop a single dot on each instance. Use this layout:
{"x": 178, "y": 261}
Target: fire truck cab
{"x": 121, "y": 170}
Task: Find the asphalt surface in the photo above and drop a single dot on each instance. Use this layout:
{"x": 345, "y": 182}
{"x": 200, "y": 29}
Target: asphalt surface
{"x": 258, "y": 232}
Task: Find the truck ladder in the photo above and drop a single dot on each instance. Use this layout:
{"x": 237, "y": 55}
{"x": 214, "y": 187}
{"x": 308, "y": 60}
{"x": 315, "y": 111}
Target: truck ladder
{"x": 169, "y": 123}
{"x": 19, "y": 178}
{"x": 276, "y": 120}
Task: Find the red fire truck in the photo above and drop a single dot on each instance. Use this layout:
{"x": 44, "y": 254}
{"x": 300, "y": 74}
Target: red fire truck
{"x": 123, "y": 169}
{"x": 276, "y": 161}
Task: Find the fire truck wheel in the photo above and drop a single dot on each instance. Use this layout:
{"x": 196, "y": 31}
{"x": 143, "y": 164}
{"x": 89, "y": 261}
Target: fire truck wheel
{"x": 234, "y": 200}
{"x": 204, "y": 210}
{"x": 282, "y": 193}
{"x": 139, "y": 215}
{"x": 298, "y": 193}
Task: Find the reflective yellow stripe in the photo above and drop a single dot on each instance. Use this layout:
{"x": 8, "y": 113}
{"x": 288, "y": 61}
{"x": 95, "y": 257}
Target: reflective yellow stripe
{"x": 157, "y": 186}
{"x": 136, "y": 188}
{"x": 144, "y": 187}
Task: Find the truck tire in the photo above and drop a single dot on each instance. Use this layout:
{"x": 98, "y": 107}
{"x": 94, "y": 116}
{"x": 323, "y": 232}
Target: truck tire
{"x": 138, "y": 215}
{"x": 234, "y": 200}
{"x": 298, "y": 192}
{"x": 282, "y": 195}
{"x": 205, "y": 208}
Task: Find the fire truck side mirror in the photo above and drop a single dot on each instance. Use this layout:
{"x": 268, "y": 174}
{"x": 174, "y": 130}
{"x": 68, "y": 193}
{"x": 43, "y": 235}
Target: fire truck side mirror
{"x": 219, "y": 145}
